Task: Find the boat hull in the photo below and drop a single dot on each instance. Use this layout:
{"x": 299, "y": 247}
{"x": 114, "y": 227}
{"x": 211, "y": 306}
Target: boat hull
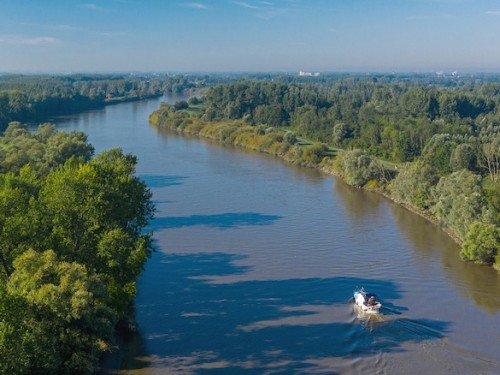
{"x": 360, "y": 298}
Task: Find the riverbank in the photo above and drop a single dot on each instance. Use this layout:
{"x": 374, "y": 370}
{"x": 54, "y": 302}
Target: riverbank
{"x": 275, "y": 142}
{"x": 284, "y": 144}
{"x": 126, "y": 99}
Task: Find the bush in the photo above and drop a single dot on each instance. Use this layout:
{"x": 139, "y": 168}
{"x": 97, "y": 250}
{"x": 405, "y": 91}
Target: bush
{"x": 357, "y": 168}
{"x": 314, "y": 154}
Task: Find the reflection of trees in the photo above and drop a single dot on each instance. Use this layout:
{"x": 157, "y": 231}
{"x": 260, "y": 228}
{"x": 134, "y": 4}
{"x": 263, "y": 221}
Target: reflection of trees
{"x": 130, "y": 352}
{"x": 295, "y": 173}
{"x": 358, "y": 203}
{"x": 191, "y": 324}
{"x": 481, "y": 283}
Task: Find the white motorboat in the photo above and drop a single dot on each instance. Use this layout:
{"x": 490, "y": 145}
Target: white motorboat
{"x": 368, "y": 302}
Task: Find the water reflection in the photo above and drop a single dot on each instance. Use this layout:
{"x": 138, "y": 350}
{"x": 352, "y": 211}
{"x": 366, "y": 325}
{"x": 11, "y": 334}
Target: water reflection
{"x": 472, "y": 280}
{"x": 357, "y": 203}
{"x": 295, "y": 325}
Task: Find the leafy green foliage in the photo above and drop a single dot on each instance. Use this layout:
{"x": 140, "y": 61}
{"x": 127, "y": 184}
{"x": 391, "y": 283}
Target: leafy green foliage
{"x": 38, "y": 97}
{"x": 413, "y": 185}
{"x": 71, "y": 248}
{"x": 391, "y": 120}
{"x": 314, "y": 154}
{"x": 358, "y": 168}
{"x": 459, "y": 201}
{"x": 438, "y": 151}
{"x": 69, "y": 301}
{"x": 15, "y": 339}
{"x": 464, "y": 156}
{"x": 482, "y": 243}
{"x": 44, "y": 150}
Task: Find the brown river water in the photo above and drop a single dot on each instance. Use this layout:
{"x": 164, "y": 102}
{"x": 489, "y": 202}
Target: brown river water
{"x": 257, "y": 261}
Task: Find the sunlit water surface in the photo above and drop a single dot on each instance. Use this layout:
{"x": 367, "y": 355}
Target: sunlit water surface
{"x": 257, "y": 261}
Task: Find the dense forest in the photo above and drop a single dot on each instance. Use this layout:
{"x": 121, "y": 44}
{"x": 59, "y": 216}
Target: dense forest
{"x": 71, "y": 248}
{"x": 34, "y": 99}
{"x": 433, "y": 147}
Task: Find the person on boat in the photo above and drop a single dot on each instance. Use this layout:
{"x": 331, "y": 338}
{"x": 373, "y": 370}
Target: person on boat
{"x": 372, "y": 301}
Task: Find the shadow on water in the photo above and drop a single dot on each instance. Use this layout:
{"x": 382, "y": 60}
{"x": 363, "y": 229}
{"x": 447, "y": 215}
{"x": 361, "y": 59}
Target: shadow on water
{"x": 160, "y": 181}
{"x": 221, "y": 221}
{"x": 190, "y": 325}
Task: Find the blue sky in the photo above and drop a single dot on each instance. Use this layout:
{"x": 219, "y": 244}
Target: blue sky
{"x": 250, "y": 35}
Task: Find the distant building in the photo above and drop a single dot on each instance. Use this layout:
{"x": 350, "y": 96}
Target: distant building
{"x": 308, "y": 74}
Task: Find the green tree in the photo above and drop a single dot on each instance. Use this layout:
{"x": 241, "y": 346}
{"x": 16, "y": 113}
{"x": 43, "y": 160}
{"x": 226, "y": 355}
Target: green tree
{"x": 414, "y": 183}
{"x": 341, "y": 132}
{"x": 459, "y": 201}
{"x": 97, "y": 212}
{"x": 63, "y": 145}
{"x": 19, "y": 220}
{"x": 15, "y": 350}
{"x": 44, "y": 150}
{"x": 491, "y": 158}
{"x": 70, "y": 309}
{"x": 358, "y": 168}
{"x": 314, "y": 154}
{"x": 437, "y": 152}
{"x": 482, "y": 243}
{"x": 463, "y": 157}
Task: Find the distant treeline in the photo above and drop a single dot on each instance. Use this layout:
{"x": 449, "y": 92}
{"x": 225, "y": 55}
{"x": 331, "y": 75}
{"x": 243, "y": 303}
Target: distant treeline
{"x": 434, "y": 148}
{"x": 31, "y": 99}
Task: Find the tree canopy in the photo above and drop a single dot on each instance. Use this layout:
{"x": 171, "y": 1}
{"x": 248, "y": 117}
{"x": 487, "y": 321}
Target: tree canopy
{"x": 71, "y": 248}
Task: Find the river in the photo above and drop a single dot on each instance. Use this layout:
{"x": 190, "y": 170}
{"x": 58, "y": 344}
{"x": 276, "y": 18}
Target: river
{"x": 257, "y": 260}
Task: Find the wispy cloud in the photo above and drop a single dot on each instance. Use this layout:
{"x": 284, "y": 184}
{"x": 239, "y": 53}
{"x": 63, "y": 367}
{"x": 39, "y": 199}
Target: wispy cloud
{"x": 244, "y": 4}
{"x": 266, "y": 9}
{"x": 33, "y": 41}
{"x": 493, "y": 13}
{"x": 63, "y": 27}
{"x": 196, "y": 5}
{"x": 93, "y": 7}
{"x": 110, "y": 34}
{"x": 425, "y": 17}
{"x": 57, "y": 27}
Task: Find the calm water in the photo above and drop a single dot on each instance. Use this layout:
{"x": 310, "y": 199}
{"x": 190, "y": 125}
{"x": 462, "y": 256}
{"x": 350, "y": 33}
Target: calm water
{"x": 257, "y": 261}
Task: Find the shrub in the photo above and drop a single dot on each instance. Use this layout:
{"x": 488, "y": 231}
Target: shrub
{"x": 357, "y": 168}
{"x": 314, "y": 154}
